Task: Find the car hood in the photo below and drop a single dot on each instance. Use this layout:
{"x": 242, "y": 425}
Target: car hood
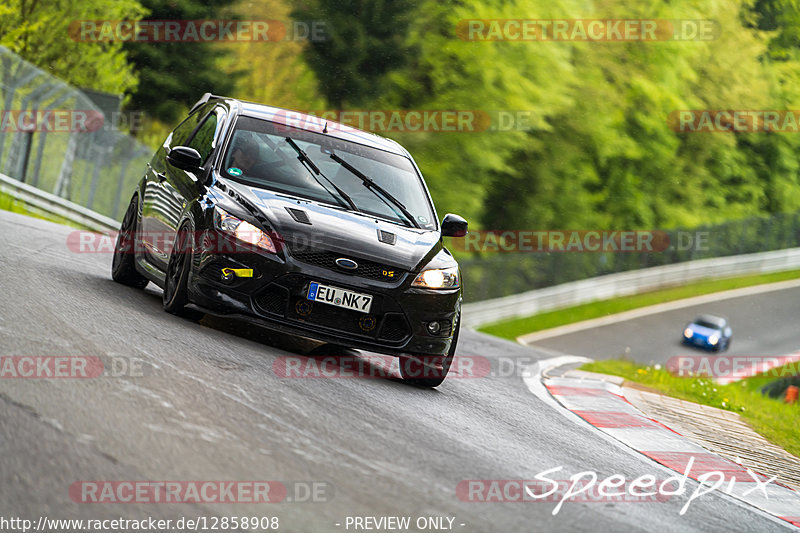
{"x": 307, "y": 225}
{"x": 701, "y": 331}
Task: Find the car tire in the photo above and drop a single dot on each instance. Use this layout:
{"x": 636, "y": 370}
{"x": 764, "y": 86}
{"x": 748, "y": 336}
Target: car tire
{"x": 175, "y": 296}
{"x": 411, "y": 377}
{"x": 123, "y": 264}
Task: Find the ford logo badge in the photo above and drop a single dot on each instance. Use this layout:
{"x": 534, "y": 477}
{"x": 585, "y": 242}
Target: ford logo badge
{"x": 346, "y": 263}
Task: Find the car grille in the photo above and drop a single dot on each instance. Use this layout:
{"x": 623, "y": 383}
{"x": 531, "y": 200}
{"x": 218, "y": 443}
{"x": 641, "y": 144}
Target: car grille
{"x": 285, "y": 297}
{"x": 366, "y": 268}
{"x": 330, "y": 317}
{"x": 395, "y": 327}
{"x": 273, "y": 300}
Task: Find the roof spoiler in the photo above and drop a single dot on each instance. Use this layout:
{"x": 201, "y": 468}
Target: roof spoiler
{"x": 203, "y": 99}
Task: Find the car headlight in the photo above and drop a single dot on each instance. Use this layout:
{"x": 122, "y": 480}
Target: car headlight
{"x": 437, "y": 278}
{"x": 713, "y": 339}
{"x": 242, "y": 230}
{"x": 688, "y": 333}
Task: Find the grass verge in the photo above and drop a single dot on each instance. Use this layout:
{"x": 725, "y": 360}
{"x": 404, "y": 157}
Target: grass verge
{"x": 9, "y": 203}
{"x": 512, "y": 329}
{"x": 776, "y": 421}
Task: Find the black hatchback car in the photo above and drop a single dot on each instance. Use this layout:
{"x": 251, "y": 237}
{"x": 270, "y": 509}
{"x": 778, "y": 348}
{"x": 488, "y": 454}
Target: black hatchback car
{"x": 309, "y": 227}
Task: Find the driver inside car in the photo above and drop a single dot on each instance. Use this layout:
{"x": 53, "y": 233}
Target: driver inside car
{"x": 245, "y": 157}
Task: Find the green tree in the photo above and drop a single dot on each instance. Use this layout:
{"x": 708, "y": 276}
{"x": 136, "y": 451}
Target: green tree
{"x": 173, "y": 75}
{"x": 43, "y": 32}
{"x": 365, "y": 41}
{"x": 273, "y": 73}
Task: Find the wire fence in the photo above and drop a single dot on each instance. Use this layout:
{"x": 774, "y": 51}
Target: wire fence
{"x": 50, "y": 138}
{"x": 492, "y": 275}
{"x": 53, "y": 137}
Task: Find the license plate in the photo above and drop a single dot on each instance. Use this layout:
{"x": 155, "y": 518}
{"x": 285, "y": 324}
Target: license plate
{"x": 339, "y": 297}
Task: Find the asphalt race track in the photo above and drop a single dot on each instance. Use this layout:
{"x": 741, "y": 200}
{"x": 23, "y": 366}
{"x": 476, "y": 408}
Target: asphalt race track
{"x": 206, "y": 404}
{"x": 763, "y": 325}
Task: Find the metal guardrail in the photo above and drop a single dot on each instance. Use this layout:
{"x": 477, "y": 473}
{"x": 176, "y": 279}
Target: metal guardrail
{"x": 46, "y": 203}
{"x": 477, "y": 314}
{"x": 529, "y": 303}
{"x": 491, "y": 275}
{"x": 87, "y": 161}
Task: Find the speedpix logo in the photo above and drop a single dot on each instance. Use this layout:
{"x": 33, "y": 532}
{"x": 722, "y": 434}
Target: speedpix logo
{"x": 588, "y": 486}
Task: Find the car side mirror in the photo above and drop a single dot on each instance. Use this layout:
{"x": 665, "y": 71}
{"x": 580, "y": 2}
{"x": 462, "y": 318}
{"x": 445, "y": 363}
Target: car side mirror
{"x": 453, "y": 226}
{"x": 185, "y": 158}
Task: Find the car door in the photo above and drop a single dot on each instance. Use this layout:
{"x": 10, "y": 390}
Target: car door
{"x": 181, "y": 186}
{"x": 170, "y": 188}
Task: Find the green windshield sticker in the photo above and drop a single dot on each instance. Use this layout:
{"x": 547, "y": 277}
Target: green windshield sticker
{"x": 233, "y": 171}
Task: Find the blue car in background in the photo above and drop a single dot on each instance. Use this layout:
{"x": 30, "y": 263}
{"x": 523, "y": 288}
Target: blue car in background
{"x": 708, "y": 332}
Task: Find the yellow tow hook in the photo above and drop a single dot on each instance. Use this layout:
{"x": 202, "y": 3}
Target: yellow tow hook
{"x": 229, "y": 273}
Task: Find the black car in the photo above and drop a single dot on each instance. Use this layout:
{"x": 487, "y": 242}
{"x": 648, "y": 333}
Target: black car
{"x": 306, "y": 226}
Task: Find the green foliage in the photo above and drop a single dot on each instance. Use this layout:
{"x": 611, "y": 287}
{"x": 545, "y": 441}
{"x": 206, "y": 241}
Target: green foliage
{"x": 274, "y": 73}
{"x": 365, "y": 40}
{"x": 600, "y": 152}
{"x": 173, "y": 75}
{"x": 40, "y": 32}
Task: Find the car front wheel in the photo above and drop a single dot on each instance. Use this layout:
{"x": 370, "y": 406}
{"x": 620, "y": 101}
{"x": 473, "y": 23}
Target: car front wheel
{"x": 176, "y": 280}
{"x": 431, "y": 371}
{"x": 123, "y": 267}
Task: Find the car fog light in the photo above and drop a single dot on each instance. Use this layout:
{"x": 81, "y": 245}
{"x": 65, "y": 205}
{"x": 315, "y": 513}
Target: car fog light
{"x": 434, "y": 327}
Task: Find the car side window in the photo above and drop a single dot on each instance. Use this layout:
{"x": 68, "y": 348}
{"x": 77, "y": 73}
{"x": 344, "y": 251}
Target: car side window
{"x": 203, "y": 139}
{"x": 184, "y": 130}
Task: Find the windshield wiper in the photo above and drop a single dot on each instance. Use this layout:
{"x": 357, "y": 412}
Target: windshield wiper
{"x": 376, "y": 189}
{"x": 315, "y": 171}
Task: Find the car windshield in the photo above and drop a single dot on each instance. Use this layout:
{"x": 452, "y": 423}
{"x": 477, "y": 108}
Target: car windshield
{"x": 706, "y": 324}
{"x": 261, "y": 154}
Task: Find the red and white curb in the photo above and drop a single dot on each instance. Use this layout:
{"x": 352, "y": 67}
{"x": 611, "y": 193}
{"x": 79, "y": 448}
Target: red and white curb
{"x": 602, "y": 404}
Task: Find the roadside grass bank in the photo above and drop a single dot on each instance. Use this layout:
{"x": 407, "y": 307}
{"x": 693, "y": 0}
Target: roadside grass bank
{"x": 9, "y": 203}
{"x": 512, "y": 329}
{"x": 777, "y": 421}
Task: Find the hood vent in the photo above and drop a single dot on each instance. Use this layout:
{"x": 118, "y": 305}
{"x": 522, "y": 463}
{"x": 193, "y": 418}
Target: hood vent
{"x": 299, "y": 215}
{"x": 385, "y": 236}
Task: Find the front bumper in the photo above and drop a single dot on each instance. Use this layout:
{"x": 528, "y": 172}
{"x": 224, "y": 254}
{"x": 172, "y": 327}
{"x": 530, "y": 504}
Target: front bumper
{"x": 275, "y": 296}
{"x": 700, "y": 342}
